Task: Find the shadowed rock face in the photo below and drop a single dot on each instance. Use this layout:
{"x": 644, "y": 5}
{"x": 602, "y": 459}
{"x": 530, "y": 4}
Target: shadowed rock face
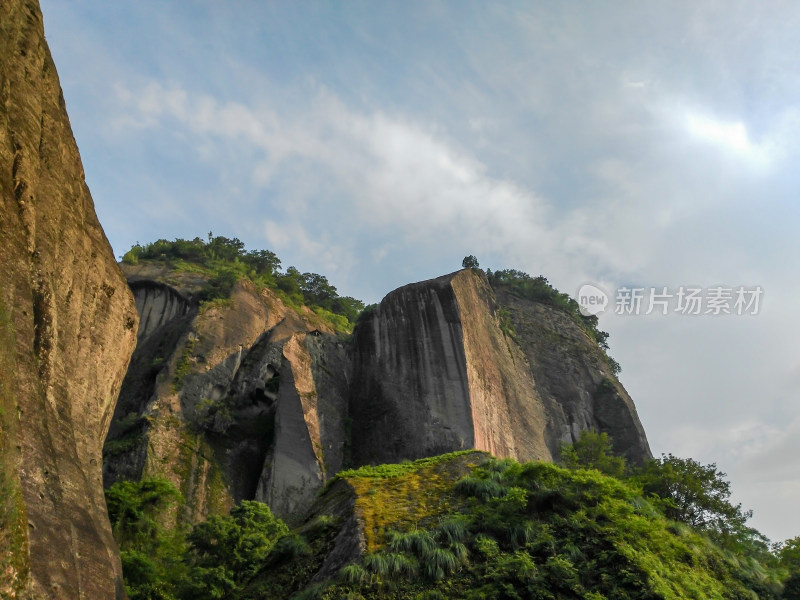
{"x": 237, "y": 400}
{"x": 435, "y": 372}
{"x": 410, "y": 393}
{"x": 574, "y": 381}
{"x": 434, "y": 368}
{"x": 68, "y": 326}
{"x": 157, "y": 305}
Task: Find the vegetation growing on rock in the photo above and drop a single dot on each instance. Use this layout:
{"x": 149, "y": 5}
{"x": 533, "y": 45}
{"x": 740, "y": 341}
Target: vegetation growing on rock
{"x": 539, "y": 289}
{"x": 224, "y": 261}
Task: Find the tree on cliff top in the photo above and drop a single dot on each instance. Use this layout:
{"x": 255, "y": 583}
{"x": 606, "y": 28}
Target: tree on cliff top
{"x": 470, "y": 262}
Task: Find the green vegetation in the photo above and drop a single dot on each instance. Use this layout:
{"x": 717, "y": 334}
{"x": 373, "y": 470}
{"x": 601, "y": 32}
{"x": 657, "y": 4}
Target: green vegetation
{"x": 593, "y": 451}
{"x": 129, "y": 431}
{"x": 470, "y": 262}
{"x": 408, "y": 494}
{"x": 537, "y": 530}
{"x": 506, "y": 326}
{"x": 184, "y": 365}
{"x": 504, "y": 531}
{"x": 212, "y": 415}
{"x": 209, "y": 561}
{"x": 151, "y": 554}
{"x": 788, "y": 554}
{"x": 403, "y": 468}
{"x": 538, "y": 289}
{"x": 697, "y": 495}
{"x": 224, "y": 261}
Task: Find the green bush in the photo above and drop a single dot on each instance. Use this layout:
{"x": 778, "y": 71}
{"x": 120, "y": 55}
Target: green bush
{"x": 536, "y": 530}
{"x": 593, "y": 451}
{"x": 211, "y": 561}
{"x": 225, "y": 261}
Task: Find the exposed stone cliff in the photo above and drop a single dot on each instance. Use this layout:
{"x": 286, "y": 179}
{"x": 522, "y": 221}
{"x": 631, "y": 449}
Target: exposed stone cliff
{"x": 230, "y": 400}
{"x": 436, "y": 369}
{"x": 433, "y": 372}
{"x": 573, "y": 379}
{"x": 249, "y": 398}
{"x": 68, "y": 325}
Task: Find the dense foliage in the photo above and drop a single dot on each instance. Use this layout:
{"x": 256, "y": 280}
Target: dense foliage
{"x": 593, "y": 451}
{"x": 225, "y": 261}
{"x": 540, "y": 531}
{"x": 506, "y": 531}
{"x": 470, "y": 262}
{"x": 209, "y": 561}
{"x": 538, "y": 289}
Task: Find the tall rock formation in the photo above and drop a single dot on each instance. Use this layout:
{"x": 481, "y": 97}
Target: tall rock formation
{"x": 229, "y": 400}
{"x": 446, "y": 364}
{"x": 433, "y": 372}
{"x": 251, "y": 398}
{"x": 67, "y": 329}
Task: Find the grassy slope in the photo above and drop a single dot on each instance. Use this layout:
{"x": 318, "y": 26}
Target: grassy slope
{"x": 507, "y": 531}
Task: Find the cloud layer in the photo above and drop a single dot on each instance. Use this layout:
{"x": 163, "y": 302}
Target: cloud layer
{"x": 643, "y": 145}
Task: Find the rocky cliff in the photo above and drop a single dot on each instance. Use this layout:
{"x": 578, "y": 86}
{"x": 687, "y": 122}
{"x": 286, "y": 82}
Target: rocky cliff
{"x": 67, "y": 329}
{"x": 251, "y": 398}
{"x": 433, "y": 372}
{"x": 231, "y": 399}
{"x": 449, "y": 364}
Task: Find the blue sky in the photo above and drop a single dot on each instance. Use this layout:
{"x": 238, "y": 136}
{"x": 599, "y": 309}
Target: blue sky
{"x": 638, "y": 144}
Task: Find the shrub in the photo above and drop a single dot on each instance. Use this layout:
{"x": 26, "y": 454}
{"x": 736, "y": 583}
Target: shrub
{"x": 292, "y": 546}
{"x": 593, "y": 451}
{"x": 225, "y": 261}
{"x": 418, "y": 542}
{"x": 355, "y": 574}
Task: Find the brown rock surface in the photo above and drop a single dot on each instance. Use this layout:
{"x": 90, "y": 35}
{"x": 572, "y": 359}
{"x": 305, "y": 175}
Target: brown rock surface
{"x": 222, "y": 399}
{"x": 436, "y": 370}
{"x": 574, "y": 381}
{"x": 247, "y": 398}
{"x": 68, "y": 329}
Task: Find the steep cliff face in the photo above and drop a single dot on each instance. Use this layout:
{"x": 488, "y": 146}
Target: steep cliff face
{"x": 574, "y": 380}
{"x": 248, "y": 398}
{"x": 230, "y": 400}
{"x": 433, "y": 372}
{"x": 436, "y": 369}
{"x": 68, "y": 329}
{"x": 157, "y": 305}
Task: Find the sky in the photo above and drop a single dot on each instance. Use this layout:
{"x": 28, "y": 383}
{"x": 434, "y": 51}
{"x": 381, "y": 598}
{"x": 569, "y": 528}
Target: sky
{"x": 627, "y": 145}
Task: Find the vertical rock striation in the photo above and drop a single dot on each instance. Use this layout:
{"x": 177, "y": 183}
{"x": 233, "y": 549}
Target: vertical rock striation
{"x": 240, "y": 399}
{"x": 437, "y": 369}
{"x": 434, "y": 372}
{"x": 68, "y": 329}
{"x": 410, "y": 394}
{"x": 261, "y": 403}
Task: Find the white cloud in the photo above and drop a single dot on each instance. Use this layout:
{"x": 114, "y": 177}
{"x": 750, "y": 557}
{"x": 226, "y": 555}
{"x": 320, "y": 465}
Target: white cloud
{"x": 728, "y": 136}
{"x": 386, "y": 172}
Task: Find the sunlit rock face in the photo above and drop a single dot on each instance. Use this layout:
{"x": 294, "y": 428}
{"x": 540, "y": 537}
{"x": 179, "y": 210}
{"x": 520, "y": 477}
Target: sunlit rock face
{"x": 68, "y": 329}
{"x": 249, "y": 398}
{"x": 240, "y": 399}
{"x": 434, "y": 372}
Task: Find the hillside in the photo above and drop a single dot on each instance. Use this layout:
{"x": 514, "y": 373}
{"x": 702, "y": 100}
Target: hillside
{"x": 467, "y": 526}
